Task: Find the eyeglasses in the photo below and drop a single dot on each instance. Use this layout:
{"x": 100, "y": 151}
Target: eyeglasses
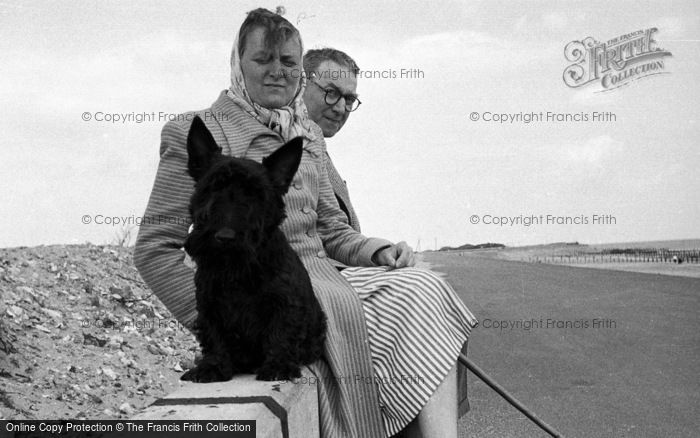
{"x": 332, "y": 97}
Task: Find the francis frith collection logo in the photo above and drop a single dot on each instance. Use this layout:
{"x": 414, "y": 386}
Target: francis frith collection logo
{"x": 616, "y": 62}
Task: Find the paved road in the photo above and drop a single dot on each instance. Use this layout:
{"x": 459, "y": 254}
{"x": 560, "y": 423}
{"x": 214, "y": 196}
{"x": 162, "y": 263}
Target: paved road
{"x": 633, "y": 374}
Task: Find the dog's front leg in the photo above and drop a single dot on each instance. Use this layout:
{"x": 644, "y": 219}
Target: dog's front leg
{"x": 283, "y": 347}
{"x": 216, "y": 364}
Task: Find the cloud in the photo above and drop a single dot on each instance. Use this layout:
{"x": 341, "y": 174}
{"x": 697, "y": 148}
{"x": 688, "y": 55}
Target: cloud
{"x": 594, "y": 151}
{"x": 470, "y": 50}
{"x": 521, "y": 25}
{"x": 590, "y": 97}
{"x": 674, "y": 27}
{"x": 134, "y": 73}
{"x": 525, "y": 26}
{"x": 555, "y": 21}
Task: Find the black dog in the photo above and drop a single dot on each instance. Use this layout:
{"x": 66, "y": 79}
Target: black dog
{"x": 256, "y": 309}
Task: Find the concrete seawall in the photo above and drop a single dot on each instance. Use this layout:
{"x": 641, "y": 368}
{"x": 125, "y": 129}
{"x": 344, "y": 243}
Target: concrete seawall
{"x": 281, "y": 409}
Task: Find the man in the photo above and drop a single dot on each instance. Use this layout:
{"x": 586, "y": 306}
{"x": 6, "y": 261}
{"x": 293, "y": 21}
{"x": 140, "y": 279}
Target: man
{"x": 330, "y": 97}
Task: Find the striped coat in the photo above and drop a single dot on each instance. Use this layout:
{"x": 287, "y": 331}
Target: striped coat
{"x": 315, "y": 227}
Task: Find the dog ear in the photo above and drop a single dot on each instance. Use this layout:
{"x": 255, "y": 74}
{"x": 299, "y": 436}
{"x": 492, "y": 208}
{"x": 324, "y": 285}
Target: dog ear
{"x": 201, "y": 149}
{"x": 282, "y": 164}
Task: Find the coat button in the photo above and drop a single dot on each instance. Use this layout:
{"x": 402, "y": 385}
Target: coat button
{"x": 306, "y": 209}
{"x": 321, "y": 254}
{"x": 310, "y": 232}
{"x": 297, "y": 185}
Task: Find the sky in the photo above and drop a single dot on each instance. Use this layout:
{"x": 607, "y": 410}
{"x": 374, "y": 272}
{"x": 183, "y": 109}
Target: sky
{"x": 419, "y": 167}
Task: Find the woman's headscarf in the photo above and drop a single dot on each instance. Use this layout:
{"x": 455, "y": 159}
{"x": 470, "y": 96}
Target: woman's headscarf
{"x": 289, "y": 121}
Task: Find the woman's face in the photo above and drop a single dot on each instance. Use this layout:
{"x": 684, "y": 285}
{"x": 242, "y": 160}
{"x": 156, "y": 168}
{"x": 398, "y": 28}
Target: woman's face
{"x": 271, "y": 76}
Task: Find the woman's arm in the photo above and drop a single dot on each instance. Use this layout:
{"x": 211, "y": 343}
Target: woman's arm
{"x": 158, "y": 255}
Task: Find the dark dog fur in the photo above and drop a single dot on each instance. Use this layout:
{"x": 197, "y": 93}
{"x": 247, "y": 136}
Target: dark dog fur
{"x": 256, "y": 309}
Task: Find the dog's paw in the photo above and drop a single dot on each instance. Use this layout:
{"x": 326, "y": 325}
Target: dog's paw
{"x": 205, "y": 373}
{"x": 278, "y": 372}
{"x": 189, "y": 375}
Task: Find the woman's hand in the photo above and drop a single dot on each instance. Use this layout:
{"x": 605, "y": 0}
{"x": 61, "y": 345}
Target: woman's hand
{"x": 396, "y": 256}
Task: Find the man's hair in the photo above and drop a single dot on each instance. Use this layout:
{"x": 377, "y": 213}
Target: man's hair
{"x": 277, "y": 29}
{"x": 314, "y": 57}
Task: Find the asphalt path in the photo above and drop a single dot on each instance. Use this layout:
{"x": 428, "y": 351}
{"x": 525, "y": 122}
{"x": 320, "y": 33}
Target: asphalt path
{"x": 594, "y": 353}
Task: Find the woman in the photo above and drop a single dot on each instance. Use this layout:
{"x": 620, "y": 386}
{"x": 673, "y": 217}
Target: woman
{"x": 261, "y": 110}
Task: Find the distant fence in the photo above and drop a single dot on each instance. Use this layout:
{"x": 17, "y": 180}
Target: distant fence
{"x": 623, "y": 256}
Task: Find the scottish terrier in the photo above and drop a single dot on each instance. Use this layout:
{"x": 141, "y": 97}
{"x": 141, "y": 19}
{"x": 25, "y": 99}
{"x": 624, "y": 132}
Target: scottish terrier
{"x": 257, "y": 312}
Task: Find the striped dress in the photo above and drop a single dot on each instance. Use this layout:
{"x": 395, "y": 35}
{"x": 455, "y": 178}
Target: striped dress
{"x": 416, "y": 324}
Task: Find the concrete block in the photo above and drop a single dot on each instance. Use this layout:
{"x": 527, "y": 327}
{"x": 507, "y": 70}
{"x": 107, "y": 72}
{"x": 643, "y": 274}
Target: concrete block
{"x": 281, "y": 409}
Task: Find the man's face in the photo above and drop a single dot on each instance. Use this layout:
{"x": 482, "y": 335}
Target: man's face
{"x": 334, "y": 77}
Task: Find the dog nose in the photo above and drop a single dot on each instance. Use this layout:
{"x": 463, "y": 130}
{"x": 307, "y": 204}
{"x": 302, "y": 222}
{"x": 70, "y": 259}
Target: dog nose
{"x": 225, "y": 234}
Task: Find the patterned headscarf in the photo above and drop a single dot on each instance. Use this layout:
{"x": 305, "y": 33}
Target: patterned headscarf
{"x": 290, "y": 121}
